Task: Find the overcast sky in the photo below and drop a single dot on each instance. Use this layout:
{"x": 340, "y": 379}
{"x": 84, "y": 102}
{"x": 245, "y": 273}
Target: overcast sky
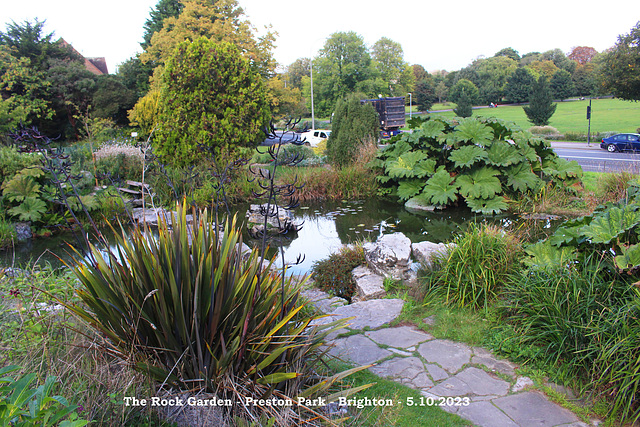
{"x": 435, "y": 34}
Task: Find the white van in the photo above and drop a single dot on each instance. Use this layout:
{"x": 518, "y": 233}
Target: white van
{"x": 315, "y": 137}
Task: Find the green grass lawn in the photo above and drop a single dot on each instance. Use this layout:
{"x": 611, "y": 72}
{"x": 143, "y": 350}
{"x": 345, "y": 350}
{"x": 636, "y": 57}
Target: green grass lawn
{"x": 570, "y": 116}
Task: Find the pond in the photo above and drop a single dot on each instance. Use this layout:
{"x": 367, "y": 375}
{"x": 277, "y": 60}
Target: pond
{"x": 325, "y": 227}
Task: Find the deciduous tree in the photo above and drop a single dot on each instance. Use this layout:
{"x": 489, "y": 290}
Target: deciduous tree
{"x": 218, "y": 20}
{"x": 582, "y": 54}
{"x": 621, "y": 66}
{"x": 342, "y": 66}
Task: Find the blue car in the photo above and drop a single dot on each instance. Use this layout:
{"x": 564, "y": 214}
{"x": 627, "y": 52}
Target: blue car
{"x": 621, "y": 142}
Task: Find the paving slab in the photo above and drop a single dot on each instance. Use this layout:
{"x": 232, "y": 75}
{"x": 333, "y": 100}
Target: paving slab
{"x": 531, "y": 409}
{"x": 406, "y": 370}
{"x": 436, "y": 372}
{"x": 485, "y": 414}
{"x": 373, "y": 313}
{"x": 483, "y": 384}
{"x": 399, "y": 337}
{"x": 450, "y": 355}
{"x": 322, "y": 301}
{"x": 358, "y": 349}
{"x": 485, "y": 357}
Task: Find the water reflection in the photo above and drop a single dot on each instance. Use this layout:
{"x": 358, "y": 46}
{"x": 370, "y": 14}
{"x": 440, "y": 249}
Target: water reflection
{"x": 325, "y": 228}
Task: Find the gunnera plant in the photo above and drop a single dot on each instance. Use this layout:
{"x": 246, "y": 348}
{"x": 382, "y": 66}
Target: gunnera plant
{"x": 333, "y": 274}
{"x": 193, "y": 311}
{"x": 479, "y": 263}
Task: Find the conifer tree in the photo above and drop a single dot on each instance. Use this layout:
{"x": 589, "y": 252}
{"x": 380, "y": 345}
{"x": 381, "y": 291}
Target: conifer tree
{"x": 541, "y": 106}
{"x": 464, "y": 108}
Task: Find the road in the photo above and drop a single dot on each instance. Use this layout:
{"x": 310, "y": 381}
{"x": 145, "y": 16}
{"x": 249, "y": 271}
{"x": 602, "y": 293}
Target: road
{"x": 594, "y": 159}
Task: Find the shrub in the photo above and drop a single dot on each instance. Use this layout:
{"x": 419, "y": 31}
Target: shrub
{"x": 543, "y": 130}
{"x": 12, "y": 161}
{"x": 482, "y": 162}
{"x": 333, "y": 274}
{"x": 474, "y": 271}
{"x": 190, "y": 310}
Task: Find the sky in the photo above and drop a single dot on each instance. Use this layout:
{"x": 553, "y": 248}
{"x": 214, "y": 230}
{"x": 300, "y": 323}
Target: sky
{"x": 439, "y": 35}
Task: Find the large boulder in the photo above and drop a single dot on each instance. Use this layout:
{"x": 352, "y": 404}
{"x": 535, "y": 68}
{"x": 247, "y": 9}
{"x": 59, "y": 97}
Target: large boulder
{"x": 279, "y": 219}
{"x": 369, "y": 285}
{"x": 423, "y": 252}
{"x": 389, "y": 256}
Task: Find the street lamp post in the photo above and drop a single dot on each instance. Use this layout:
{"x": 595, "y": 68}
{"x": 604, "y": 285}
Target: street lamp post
{"x": 409, "y": 105}
{"x": 313, "y": 115}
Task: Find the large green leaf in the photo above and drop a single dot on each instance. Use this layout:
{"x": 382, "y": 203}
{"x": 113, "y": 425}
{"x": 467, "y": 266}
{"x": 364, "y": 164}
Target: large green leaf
{"x": 409, "y": 188}
{"x": 480, "y": 184}
{"x": 489, "y": 206}
{"x": 544, "y": 254}
{"x": 562, "y": 168}
{"x": 21, "y": 187}
{"x": 502, "y": 153}
{"x": 629, "y": 258}
{"x": 608, "y": 226}
{"x": 474, "y": 131}
{"x": 431, "y": 128}
{"x": 440, "y": 189}
{"x": 31, "y": 209}
{"x": 467, "y": 155}
{"x": 520, "y": 178}
{"x": 414, "y": 164}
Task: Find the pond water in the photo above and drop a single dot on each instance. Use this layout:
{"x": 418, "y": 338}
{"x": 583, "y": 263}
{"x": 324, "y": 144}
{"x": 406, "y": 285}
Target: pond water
{"x": 325, "y": 227}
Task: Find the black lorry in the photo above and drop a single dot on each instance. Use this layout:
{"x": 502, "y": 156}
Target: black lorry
{"x": 391, "y": 113}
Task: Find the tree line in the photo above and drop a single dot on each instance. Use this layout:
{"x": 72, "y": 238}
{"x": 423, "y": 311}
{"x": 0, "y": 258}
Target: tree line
{"x": 43, "y": 82}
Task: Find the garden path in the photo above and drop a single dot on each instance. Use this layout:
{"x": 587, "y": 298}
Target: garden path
{"x": 468, "y": 381}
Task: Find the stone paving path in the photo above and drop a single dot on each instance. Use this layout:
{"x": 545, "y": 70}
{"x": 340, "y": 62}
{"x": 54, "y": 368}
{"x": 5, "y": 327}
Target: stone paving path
{"x": 471, "y": 381}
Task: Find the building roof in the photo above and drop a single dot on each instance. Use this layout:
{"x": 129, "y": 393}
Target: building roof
{"x": 97, "y": 65}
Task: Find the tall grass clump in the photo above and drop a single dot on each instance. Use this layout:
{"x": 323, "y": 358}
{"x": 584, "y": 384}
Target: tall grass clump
{"x": 191, "y": 310}
{"x": 476, "y": 267}
{"x": 582, "y": 319}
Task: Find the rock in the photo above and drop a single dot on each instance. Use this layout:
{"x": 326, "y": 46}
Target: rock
{"x": 373, "y": 313}
{"x": 152, "y": 216}
{"x": 322, "y": 301}
{"x": 23, "y": 231}
{"x": 521, "y": 384}
{"x": 415, "y": 205}
{"x": 368, "y": 284}
{"x": 423, "y": 252}
{"x": 279, "y": 219}
{"x": 389, "y": 256}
